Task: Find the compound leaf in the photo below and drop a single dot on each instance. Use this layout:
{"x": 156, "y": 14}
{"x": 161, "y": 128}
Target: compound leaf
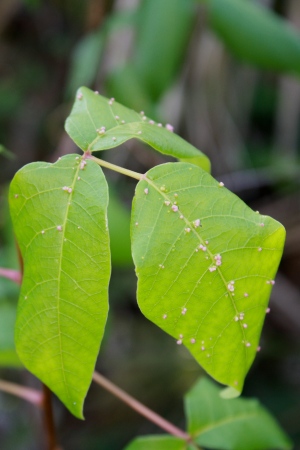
{"x": 205, "y": 264}
{"x": 230, "y": 424}
{"x": 91, "y": 112}
{"x": 159, "y": 442}
{"x": 60, "y": 221}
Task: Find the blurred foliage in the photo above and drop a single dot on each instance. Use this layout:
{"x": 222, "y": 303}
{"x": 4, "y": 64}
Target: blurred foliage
{"x": 255, "y": 35}
{"x": 197, "y": 65}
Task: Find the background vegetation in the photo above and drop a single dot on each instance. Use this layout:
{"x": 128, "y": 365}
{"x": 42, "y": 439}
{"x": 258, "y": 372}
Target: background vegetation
{"x": 174, "y": 60}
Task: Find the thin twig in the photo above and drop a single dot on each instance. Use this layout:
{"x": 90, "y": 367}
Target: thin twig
{"x": 31, "y": 395}
{"x": 140, "y": 408}
{"x": 10, "y": 274}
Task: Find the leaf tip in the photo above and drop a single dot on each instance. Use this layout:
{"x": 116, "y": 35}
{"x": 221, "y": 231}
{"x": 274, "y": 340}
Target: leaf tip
{"x": 229, "y": 393}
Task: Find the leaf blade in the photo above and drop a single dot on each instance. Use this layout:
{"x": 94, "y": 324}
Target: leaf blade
{"x": 180, "y": 286}
{"x": 230, "y": 424}
{"x": 59, "y": 217}
{"x": 91, "y": 112}
{"x": 159, "y": 442}
{"x": 8, "y": 355}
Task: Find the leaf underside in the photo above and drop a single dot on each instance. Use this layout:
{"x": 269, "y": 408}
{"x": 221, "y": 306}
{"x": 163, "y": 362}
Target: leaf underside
{"x": 60, "y": 221}
{"x": 91, "y": 112}
{"x": 216, "y": 311}
{"x": 230, "y": 425}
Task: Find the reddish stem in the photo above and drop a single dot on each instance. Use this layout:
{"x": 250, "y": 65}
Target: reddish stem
{"x": 49, "y": 425}
{"x": 29, "y": 394}
{"x": 10, "y": 274}
{"x": 140, "y": 408}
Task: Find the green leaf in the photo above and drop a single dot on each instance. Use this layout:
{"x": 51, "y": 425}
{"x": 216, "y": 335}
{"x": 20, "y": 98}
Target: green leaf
{"x": 87, "y": 54}
{"x": 159, "y": 54}
{"x": 85, "y": 61}
{"x": 216, "y": 311}
{"x": 124, "y": 84}
{"x": 159, "y": 442}
{"x": 256, "y": 35}
{"x": 8, "y": 355}
{"x": 230, "y": 424}
{"x": 60, "y": 221}
{"x": 119, "y": 231}
{"x": 91, "y": 112}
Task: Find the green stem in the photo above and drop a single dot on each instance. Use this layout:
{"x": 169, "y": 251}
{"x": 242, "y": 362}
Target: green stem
{"x": 129, "y": 173}
{"x": 142, "y": 409}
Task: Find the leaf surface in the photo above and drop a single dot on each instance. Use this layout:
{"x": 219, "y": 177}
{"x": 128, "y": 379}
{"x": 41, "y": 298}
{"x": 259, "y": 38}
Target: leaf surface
{"x": 119, "y": 231}
{"x": 60, "y": 221}
{"x": 256, "y": 35}
{"x": 8, "y": 355}
{"x": 91, "y": 112}
{"x": 230, "y": 424}
{"x": 216, "y": 311}
{"x": 163, "y": 442}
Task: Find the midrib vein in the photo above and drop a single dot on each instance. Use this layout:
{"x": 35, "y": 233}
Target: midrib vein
{"x": 69, "y": 200}
{"x": 152, "y": 183}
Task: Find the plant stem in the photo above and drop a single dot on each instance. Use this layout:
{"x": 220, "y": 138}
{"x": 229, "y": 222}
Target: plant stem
{"x": 43, "y": 397}
{"x": 48, "y": 419}
{"x": 129, "y": 173}
{"x": 10, "y": 274}
{"x": 140, "y": 408}
{"x": 31, "y": 395}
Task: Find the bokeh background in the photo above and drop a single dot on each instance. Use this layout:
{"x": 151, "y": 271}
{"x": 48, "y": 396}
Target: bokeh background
{"x": 177, "y": 61}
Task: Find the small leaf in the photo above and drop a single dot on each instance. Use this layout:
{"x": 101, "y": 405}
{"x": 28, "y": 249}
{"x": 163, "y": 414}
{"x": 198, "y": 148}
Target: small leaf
{"x": 230, "y": 424}
{"x": 92, "y": 112}
{"x": 256, "y": 35}
{"x": 205, "y": 264}
{"x": 159, "y": 442}
{"x": 60, "y": 220}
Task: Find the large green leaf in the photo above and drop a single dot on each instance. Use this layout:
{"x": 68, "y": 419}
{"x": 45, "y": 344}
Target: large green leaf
{"x": 60, "y": 221}
{"x": 230, "y": 424}
{"x": 91, "y": 112}
{"x": 160, "y": 442}
{"x": 163, "y": 31}
{"x": 256, "y": 35}
{"x": 205, "y": 264}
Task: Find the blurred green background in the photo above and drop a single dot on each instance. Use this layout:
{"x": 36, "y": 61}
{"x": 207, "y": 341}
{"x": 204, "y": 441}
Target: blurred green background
{"x": 225, "y": 74}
